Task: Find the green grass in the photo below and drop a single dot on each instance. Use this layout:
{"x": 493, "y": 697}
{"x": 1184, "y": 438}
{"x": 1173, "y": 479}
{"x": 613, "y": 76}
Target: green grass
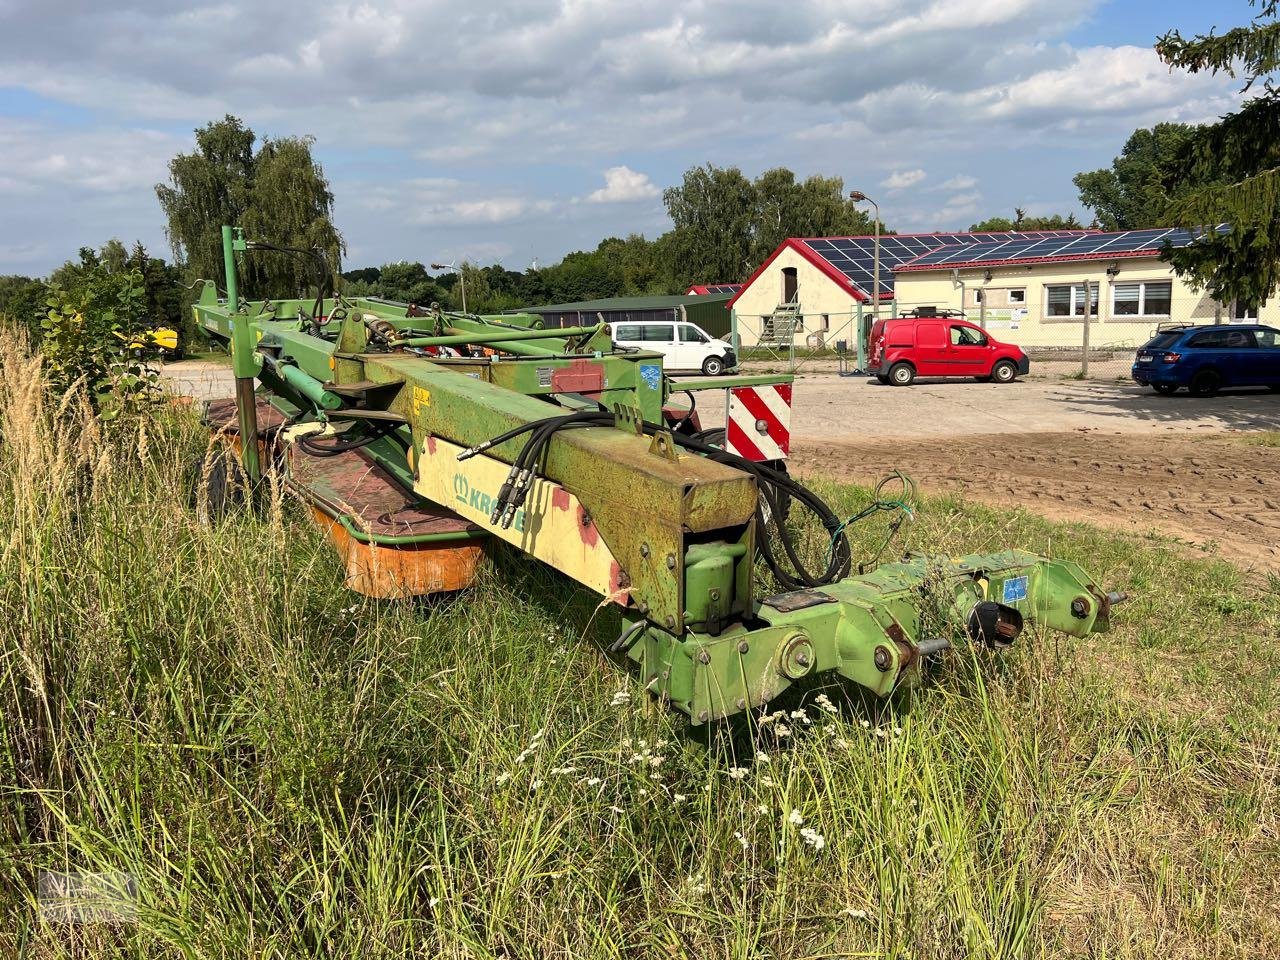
{"x": 289, "y": 770}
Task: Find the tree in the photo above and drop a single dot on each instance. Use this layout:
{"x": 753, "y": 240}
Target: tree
{"x": 279, "y": 194}
{"x": 1231, "y": 169}
{"x": 1021, "y": 221}
{"x": 712, "y": 211}
{"x": 1134, "y": 192}
{"x": 725, "y": 224}
{"x": 22, "y": 300}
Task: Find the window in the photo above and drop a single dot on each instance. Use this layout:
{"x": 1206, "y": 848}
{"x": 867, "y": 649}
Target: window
{"x": 657, "y": 333}
{"x": 978, "y": 295}
{"x": 1242, "y": 310}
{"x": 826, "y": 323}
{"x": 1067, "y": 300}
{"x": 1142, "y": 298}
{"x": 967, "y": 337}
{"x": 1018, "y": 296}
{"x": 1268, "y": 338}
{"x": 691, "y": 334}
{"x": 628, "y": 332}
{"x": 1223, "y": 340}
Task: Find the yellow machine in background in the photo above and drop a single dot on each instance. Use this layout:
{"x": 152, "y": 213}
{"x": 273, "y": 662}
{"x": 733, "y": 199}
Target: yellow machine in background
{"x": 162, "y": 341}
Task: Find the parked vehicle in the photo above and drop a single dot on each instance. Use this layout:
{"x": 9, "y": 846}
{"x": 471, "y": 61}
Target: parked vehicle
{"x": 904, "y": 348}
{"x": 684, "y": 346}
{"x": 1206, "y": 358}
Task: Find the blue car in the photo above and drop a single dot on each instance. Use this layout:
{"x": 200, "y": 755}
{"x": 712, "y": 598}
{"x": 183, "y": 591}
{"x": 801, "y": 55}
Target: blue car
{"x": 1204, "y": 359}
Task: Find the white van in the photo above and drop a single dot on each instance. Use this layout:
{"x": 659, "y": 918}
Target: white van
{"x": 684, "y": 346}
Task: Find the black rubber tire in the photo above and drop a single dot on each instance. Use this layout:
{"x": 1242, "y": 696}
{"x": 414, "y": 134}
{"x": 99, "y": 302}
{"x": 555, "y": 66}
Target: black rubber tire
{"x": 713, "y": 366}
{"x": 220, "y": 482}
{"x": 883, "y": 378}
{"x": 982, "y": 379}
{"x": 1205, "y": 383}
{"x": 1165, "y": 389}
{"x": 1004, "y": 371}
{"x": 902, "y": 374}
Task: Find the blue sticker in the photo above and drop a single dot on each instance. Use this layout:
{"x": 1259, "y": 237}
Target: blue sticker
{"x": 651, "y": 375}
{"x": 1015, "y": 589}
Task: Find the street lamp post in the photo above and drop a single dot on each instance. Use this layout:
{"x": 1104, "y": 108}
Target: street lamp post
{"x": 857, "y": 196}
{"x": 462, "y": 278}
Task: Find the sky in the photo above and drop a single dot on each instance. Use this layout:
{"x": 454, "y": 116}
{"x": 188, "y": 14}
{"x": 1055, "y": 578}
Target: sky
{"x": 515, "y": 131}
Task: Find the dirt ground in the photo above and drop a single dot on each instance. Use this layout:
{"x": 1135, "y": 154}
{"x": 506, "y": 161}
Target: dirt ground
{"x": 1104, "y": 452}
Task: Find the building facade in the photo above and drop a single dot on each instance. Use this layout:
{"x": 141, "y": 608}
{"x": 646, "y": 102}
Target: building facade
{"x": 810, "y": 291}
{"x": 1034, "y": 295}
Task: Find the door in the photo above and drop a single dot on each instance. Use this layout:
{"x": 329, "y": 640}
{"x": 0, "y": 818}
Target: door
{"x": 790, "y": 284}
{"x": 692, "y": 347}
{"x": 970, "y": 353}
{"x": 661, "y": 338}
{"x": 1268, "y": 356}
{"x": 930, "y": 354}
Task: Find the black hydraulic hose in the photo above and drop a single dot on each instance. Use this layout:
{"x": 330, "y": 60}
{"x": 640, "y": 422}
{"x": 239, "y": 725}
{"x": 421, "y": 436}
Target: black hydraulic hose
{"x": 772, "y": 486}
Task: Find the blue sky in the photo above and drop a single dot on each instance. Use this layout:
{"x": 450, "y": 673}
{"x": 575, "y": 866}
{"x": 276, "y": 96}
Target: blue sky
{"x": 517, "y": 129}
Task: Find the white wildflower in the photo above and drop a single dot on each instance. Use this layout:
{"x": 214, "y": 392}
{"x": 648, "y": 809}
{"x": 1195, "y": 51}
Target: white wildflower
{"x": 763, "y": 809}
{"x": 763, "y": 758}
{"x": 782, "y": 731}
{"x": 534, "y": 785}
{"x": 855, "y": 914}
{"x": 795, "y": 818}
{"x": 737, "y": 773}
{"x": 824, "y": 703}
{"x": 679, "y": 798}
{"x": 621, "y": 698}
{"x": 742, "y": 841}
{"x": 502, "y": 777}
{"x": 813, "y": 838}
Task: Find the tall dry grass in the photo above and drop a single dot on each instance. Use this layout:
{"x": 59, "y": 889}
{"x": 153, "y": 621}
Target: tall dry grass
{"x": 287, "y": 770}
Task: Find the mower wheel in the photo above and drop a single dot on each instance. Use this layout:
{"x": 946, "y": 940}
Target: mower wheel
{"x": 219, "y": 484}
{"x": 902, "y": 374}
{"x": 1205, "y": 383}
{"x": 1004, "y": 372}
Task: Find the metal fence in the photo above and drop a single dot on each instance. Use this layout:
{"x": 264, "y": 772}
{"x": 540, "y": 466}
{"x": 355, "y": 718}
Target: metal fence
{"x": 1061, "y": 345}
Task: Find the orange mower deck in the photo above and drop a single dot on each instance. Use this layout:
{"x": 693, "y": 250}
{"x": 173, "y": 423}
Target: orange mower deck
{"x": 392, "y": 543}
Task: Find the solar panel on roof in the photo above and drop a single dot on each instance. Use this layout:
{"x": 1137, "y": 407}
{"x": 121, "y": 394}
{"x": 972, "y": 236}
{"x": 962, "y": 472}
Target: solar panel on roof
{"x": 854, "y": 257}
{"x": 1053, "y": 247}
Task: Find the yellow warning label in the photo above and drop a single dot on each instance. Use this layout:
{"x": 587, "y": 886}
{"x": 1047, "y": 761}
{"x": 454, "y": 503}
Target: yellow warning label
{"x": 421, "y": 398}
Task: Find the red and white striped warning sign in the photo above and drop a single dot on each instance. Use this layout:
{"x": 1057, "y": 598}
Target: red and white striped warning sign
{"x": 759, "y": 422}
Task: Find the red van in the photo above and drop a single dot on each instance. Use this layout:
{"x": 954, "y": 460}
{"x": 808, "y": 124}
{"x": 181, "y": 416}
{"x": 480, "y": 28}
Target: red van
{"x": 905, "y": 348}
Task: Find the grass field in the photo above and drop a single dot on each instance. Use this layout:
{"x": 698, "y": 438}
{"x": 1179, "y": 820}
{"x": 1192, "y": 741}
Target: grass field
{"x": 287, "y": 770}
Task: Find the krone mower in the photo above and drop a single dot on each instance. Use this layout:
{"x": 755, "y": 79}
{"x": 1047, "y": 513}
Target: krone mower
{"x": 417, "y": 436}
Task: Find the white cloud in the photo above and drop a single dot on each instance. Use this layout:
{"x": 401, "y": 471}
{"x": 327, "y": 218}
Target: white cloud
{"x": 492, "y": 210}
{"x": 902, "y": 179}
{"x": 624, "y": 185}
{"x": 524, "y": 94}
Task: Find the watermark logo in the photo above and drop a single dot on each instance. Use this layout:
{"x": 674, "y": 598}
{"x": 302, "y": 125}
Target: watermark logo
{"x": 77, "y": 897}
{"x": 651, "y": 375}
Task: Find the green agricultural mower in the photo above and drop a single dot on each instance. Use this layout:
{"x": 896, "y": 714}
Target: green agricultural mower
{"x": 419, "y": 437}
